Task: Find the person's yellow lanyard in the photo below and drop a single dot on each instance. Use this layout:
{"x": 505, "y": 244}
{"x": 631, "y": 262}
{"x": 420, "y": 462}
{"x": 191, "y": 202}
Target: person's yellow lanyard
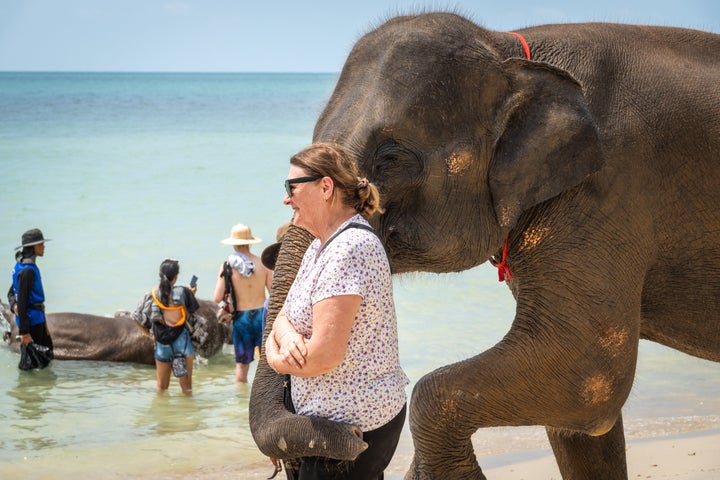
{"x": 165, "y": 307}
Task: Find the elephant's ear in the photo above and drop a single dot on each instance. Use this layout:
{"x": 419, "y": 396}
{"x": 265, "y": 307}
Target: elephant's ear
{"x": 548, "y": 141}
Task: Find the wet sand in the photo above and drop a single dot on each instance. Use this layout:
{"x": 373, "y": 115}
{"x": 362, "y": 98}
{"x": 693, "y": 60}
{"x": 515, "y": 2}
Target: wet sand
{"x": 684, "y": 448}
{"x": 693, "y": 456}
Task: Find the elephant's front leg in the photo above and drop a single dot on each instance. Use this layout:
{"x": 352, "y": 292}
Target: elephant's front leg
{"x": 580, "y": 455}
{"x": 441, "y": 432}
{"x": 535, "y": 376}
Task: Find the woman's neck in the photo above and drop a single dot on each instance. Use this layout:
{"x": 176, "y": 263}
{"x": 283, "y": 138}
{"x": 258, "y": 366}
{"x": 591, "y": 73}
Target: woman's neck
{"x": 335, "y": 220}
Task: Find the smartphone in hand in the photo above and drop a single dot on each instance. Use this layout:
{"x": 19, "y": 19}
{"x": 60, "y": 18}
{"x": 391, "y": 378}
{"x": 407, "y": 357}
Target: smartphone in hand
{"x": 193, "y": 281}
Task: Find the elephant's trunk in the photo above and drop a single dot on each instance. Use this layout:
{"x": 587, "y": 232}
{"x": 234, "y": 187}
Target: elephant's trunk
{"x": 277, "y": 432}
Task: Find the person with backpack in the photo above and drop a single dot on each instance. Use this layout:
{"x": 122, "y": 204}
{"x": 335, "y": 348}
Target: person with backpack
{"x": 241, "y": 289}
{"x": 167, "y": 310}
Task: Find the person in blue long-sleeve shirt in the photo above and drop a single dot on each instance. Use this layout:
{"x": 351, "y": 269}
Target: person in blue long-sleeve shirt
{"x": 26, "y": 296}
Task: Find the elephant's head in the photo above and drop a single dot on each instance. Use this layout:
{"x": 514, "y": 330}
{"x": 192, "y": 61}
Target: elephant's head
{"x": 215, "y": 334}
{"x": 460, "y": 138}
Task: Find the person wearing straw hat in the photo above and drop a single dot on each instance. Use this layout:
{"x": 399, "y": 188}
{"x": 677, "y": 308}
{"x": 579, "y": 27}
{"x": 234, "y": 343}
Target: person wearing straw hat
{"x": 27, "y": 296}
{"x": 242, "y": 286}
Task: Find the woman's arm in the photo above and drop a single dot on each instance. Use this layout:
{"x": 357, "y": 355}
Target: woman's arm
{"x": 333, "y": 319}
{"x": 191, "y": 302}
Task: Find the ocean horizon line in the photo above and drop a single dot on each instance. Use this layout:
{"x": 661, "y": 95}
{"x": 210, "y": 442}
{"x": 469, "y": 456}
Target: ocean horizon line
{"x": 165, "y": 72}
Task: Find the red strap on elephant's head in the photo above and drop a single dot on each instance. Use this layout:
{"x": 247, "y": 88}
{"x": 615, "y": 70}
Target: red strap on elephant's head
{"x": 524, "y": 44}
{"x": 503, "y": 269}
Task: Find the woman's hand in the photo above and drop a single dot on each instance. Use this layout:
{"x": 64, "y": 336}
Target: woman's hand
{"x": 292, "y": 349}
{"x": 287, "y": 352}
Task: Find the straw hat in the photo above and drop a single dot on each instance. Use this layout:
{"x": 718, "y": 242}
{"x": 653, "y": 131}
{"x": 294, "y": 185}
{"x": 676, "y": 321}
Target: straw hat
{"x": 270, "y": 254}
{"x": 32, "y": 237}
{"x": 240, "y": 235}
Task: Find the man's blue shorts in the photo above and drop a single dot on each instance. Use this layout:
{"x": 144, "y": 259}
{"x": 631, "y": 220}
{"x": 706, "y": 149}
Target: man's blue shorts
{"x": 183, "y": 344}
{"x": 247, "y": 334}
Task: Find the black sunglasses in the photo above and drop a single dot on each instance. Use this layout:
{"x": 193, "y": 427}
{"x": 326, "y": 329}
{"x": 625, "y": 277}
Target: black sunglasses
{"x": 291, "y": 181}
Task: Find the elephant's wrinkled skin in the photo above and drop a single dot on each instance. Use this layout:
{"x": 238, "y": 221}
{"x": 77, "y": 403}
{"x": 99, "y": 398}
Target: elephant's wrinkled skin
{"x": 598, "y": 160}
{"x": 79, "y": 336}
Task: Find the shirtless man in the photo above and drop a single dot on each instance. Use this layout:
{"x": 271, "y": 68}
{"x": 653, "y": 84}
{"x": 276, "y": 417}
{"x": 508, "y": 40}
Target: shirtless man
{"x": 250, "y": 283}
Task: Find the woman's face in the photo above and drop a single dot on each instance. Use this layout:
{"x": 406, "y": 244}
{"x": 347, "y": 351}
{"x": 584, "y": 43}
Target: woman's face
{"x": 306, "y": 200}
{"x": 39, "y": 249}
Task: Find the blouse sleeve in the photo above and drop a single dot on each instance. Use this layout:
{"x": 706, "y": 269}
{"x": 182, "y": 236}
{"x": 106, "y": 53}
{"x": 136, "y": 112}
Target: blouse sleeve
{"x": 354, "y": 266}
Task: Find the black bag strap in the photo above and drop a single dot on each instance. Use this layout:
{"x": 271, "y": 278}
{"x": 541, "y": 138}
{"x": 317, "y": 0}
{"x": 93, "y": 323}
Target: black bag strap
{"x": 349, "y": 225}
{"x": 229, "y": 290}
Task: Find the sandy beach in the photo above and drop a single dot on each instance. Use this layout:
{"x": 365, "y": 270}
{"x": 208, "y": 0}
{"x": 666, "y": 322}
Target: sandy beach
{"x": 693, "y": 456}
{"x": 683, "y": 448}
{"x": 689, "y": 455}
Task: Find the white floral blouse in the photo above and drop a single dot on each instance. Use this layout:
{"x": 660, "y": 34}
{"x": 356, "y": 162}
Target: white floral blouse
{"x": 368, "y": 388}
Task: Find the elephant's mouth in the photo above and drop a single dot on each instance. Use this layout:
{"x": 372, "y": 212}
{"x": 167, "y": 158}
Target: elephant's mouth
{"x": 403, "y": 249}
{"x": 415, "y": 247}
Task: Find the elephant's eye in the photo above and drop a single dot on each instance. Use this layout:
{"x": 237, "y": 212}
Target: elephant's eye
{"x": 395, "y": 164}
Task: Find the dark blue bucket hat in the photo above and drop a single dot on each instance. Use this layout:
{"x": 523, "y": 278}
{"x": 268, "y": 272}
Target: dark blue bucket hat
{"x": 32, "y": 237}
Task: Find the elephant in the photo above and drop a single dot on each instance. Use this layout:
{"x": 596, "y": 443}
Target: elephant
{"x": 582, "y": 160}
{"x": 80, "y": 336}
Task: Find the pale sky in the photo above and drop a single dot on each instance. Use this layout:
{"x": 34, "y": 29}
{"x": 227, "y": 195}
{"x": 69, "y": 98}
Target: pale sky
{"x": 268, "y": 35}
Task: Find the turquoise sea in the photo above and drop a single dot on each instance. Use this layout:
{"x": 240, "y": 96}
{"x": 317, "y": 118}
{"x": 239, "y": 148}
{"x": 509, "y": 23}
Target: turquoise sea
{"x": 123, "y": 170}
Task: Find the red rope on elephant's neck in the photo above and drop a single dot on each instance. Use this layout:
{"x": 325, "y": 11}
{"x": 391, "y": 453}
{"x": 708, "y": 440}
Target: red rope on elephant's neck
{"x": 524, "y": 44}
{"x": 503, "y": 269}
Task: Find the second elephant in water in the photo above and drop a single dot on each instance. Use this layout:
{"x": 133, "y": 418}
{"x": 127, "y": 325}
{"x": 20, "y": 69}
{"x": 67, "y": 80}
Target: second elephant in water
{"x": 80, "y": 336}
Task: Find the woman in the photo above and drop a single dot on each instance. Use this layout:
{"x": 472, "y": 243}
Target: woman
{"x": 170, "y": 307}
{"x": 336, "y": 335}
